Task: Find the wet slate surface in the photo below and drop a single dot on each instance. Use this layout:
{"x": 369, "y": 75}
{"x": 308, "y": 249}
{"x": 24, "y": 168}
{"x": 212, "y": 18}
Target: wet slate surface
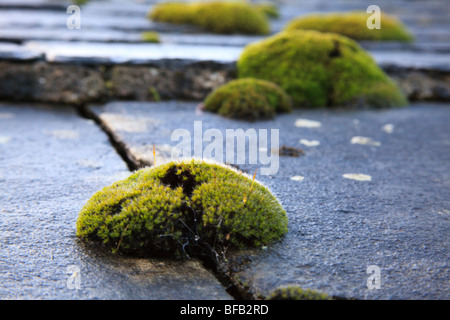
{"x": 142, "y": 53}
{"x": 137, "y": 53}
{"x": 431, "y": 23}
{"x": 12, "y": 51}
{"x": 398, "y": 221}
{"x": 51, "y": 162}
{"x": 123, "y": 22}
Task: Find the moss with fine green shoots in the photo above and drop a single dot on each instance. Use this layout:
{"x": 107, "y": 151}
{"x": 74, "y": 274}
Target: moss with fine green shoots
{"x": 248, "y": 99}
{"x": 320, "y": 69}
{"x": 183, "y": 208}
{"x": 353, "y": 25}
{"x": 215, "y": 16}
{"x": 296, "y": 293}
{"x": 151, "y": 37}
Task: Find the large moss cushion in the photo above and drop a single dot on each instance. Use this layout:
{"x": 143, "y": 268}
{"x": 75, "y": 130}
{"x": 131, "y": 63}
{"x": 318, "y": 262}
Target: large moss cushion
{"x": 353, "y": 25}
{"x": 214, "y": 16}
{"x": 189, "y": 207}
{"x": 320, "y": 69}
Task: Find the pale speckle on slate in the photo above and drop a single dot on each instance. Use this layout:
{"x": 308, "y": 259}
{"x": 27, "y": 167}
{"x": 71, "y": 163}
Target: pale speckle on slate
{"x": 89, "y": 121}
{"x": 364, "y": 141}
{"x": 305, "y": 123}
{"x": 87, "y": 163}
{"x": 6, "y": 115}
{"x": 357, "y": 176}
{"x": 4, "y": 139}
{"x": 297, "y": 178}
{"x": 64, "y": 134}
{"x": 388, "y": 128}
{"x": 444, "y": 212}
{"x": 310, "y": 143}
{"x": 119, "y": 122}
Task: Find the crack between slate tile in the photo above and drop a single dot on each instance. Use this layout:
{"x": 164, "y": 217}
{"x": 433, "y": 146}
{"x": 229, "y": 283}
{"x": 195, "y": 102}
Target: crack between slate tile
{"x": 119, "y": 146}
{"x": 219, "y": 270}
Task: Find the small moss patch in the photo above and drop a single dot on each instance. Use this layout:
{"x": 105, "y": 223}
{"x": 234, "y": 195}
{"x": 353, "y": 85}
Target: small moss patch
{"x": 215, "y": 16}
{"x": 188, "y": 207}
{"x": 296, "y": 293}
{"x": 248, "y": 99}
{"x": 80, "y": 2}
{"x": 151, "y": 37}
{"x": 320, "y": 69}
{"x": 154, "y": 94}
{"x": 353, "y": 25}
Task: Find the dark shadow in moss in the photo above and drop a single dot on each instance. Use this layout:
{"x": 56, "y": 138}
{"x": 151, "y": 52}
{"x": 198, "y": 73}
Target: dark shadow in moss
{"x": 177, "y": 176}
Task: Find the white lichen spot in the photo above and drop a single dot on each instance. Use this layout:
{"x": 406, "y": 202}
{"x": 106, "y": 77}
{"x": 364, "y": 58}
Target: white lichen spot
{"x": 388, "y": 128}
{"x": 154, "y": 72}
{"x": 309, "y": 143}
{"x": 87, "y": 163}
{"x": 64, "y": 134}
{"x": 305, "y": 123}
{"x": 89, "y": 121}
{"x": 297, "y": 178}
{"x": 6, "y": 115}
{"x": 357, "y": 176}
{"x": 365, "y": 141}
{"x": 118, "y": 122}
{"x": 4, "y": 139}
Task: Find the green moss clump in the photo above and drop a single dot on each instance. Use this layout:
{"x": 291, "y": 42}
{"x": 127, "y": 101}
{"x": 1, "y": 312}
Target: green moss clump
{"x": 173, "y": 12}
{"x": 151, "y": 36}
{"x": 154, "y": 94}
{"x": 183, "y": 207}
{"x": 248, "y": 99}
{"x": 320, "y": 69}
{"x": 80, "y": 2}
{"x": 216, "y": 16}
{"x": 353, "y": 25}
{"x": 296, "y": 293}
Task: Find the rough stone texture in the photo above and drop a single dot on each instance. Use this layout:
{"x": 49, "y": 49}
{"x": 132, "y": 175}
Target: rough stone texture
{"x": 78, "y": 84}
{"x": 111, "y": 36}
{"x": 67, "y": 83}
{"x": 422, "y": 84}
{"x": 45, "y": 82}
{"x": 51, "y": 162}
{"x": 193, "y": 82}
{"x": 398, "y": 219}
{"x": 135, "y": 83}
